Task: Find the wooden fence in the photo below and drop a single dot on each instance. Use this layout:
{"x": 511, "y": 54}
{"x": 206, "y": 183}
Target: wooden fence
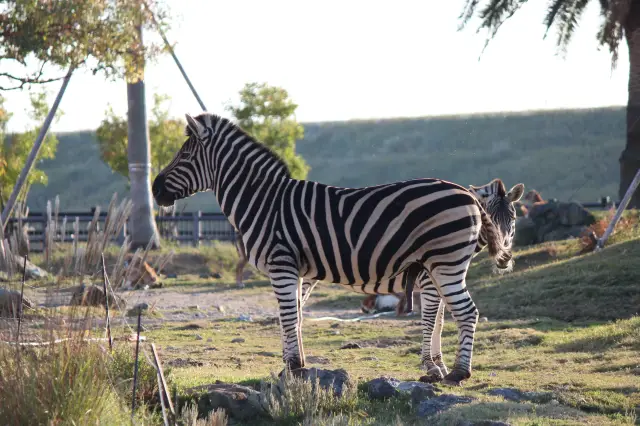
{"x": 187, "y": 228}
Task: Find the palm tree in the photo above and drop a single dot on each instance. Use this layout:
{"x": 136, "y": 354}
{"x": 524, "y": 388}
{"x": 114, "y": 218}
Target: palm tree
{"x": 620, "y": 19}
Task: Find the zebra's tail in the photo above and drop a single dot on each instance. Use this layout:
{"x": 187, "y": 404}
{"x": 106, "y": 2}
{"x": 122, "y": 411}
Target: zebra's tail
{"x": 500, "y": 254}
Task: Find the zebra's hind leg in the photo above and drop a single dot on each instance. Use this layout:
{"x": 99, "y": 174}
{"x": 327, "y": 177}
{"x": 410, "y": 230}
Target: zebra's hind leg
{"x": 430, "y": 301}
{"x": 436, "y": 342}
{"x": 452, "y": 288}
{"x": 287, "y": 287}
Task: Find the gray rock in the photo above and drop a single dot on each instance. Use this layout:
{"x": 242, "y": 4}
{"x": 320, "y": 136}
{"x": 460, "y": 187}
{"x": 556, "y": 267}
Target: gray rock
{"x": 238, "y": 340}
{"x": 509, "y": 394}
{"x": 327, "y": 379}
{"x": 350, "y": 345}
{"x": 421, "y": 393}
{"x": 383, "y": 387}
{"x": 9, "y": 301}
{"x": 441, "y": 403}
{"x": 572, "y": 214}
{"x": 240, "y": 402}
{"x": 526, "y": 232}
{"x": 94, "y": 296}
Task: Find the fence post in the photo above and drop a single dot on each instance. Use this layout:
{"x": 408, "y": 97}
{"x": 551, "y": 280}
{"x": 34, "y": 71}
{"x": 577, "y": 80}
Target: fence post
{"x": 196, "y": 228}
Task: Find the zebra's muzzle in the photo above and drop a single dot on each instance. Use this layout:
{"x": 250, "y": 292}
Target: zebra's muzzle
{"x": 163, "y": 197}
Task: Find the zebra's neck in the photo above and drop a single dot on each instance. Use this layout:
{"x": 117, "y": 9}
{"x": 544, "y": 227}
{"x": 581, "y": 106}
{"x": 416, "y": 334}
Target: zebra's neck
{"x": 247, "y": 176}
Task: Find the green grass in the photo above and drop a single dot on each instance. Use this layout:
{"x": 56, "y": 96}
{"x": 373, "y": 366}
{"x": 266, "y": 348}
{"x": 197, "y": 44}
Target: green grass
{"x": 564, "y": 327}
{"x": 577, "y": 149}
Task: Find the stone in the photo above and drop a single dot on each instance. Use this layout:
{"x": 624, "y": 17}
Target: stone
{"x": 526, "y": 232}
{"x": 421, "y": 393}
{"x": 240, "y": 402}
{"x": 9, "y": 300}
{"x": 572, "y": 213}
{"x": 238, "y": 340}
{"x": 441, "y": 403}
{"x": 94, "y": 296}
{"x": 216, "y": 275}
{"x": 383, "y": 387}
{"x": 351, "y": 345}
{"x": 199, "y": 337}
{"x": 318, "y": 360}
{"x": 509, "y": 394}
{"x": 335, "y": 379}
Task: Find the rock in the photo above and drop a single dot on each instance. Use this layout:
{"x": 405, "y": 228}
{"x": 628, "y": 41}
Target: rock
{"x": 10, "y": 300}
{"x": 199, "y": 337}
{"x": 351, "y": 345}
{"x": 240, "y": 402}
{"x": 140, "y": 307}
{"x": 327, "y": 379}
{"x": 370, "y": 358}
{"x": 383, "y": 387}
{"x": 441, "y": 403}
{"x": 484, "y": 319}
{"x": 245, "y": 317}
{"x": 238, "y": 340}
{"x": 216, "y": 275}
{"x": 526, "y": 232}
{"x": 268, "y": 354}
{"x": 335, "y": 325}
{"x": 33, "y": 272}
{"x": 94, "y": 296}
{"x": 572, "y": 214}
{"x": 421, "y": 393}
{"x": 507, "y": 393}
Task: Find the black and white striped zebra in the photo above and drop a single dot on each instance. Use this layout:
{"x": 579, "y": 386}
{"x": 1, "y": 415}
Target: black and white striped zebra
{"x": 357, "y": 237}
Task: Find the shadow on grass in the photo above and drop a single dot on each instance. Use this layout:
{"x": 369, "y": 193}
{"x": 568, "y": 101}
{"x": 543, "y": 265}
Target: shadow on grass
{"x": 621, "y": 334}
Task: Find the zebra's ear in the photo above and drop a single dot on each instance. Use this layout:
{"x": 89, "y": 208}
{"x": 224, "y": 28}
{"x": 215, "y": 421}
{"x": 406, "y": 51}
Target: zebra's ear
{"x": 194, "y": 128}
{"x": 515, "y": 193}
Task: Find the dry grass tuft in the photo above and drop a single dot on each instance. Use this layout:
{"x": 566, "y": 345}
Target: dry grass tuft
{"x": 627, "y": 222}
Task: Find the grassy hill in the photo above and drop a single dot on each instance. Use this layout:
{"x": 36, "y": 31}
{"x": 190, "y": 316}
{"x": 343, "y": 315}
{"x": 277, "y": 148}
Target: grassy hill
{"x": 563, "y": 154}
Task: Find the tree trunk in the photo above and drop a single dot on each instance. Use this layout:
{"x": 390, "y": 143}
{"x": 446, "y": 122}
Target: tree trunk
{"x": 630, "y": 158}
{"x": 142, "y": 221}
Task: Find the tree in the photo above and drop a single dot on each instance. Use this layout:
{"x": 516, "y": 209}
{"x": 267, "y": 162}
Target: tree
{"x": 620, "y": 19}
{"x": 96, "y": 34}
{"x": 15, "y": 148}
{"x": 166, "y": 136}
{"x": 267, "y": 113}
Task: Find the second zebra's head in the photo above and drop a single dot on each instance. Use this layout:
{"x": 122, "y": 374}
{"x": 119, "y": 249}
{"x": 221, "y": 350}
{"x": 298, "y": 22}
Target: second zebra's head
{"x": 499, "y": 205}
{"x": 189, "y": 171}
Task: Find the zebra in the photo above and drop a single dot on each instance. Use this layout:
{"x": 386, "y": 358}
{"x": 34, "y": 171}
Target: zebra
{"x": 358, "y": 237}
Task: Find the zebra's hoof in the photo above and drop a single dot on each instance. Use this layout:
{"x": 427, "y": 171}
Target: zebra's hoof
{"x": 434, "y": 375}
{"x": 456, "y": 377}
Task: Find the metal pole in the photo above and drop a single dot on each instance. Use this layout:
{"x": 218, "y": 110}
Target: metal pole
{"x": 34, "y": 152}
{"x": 623, "y": 205}
{"x": 175, "y": 58}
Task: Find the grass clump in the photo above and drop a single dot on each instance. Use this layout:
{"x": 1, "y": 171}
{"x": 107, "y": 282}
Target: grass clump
{"x": 189, "y": 417}
{"x": 65, "y": 383}
{"x": 290, "y": 399}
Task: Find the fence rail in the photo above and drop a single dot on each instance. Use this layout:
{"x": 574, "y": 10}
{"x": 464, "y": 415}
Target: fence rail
{"x": 187, "y": 228}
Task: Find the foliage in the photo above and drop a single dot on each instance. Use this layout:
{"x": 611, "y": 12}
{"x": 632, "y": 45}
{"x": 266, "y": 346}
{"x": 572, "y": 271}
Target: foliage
{"x": 15, "y": 148}
{"x": 65, "y": 383}
{"x": 267, "y": 113}
{"x": 166, "y": 136}
{"x": 564, "y": 14}
{"x": 98, "y": 34}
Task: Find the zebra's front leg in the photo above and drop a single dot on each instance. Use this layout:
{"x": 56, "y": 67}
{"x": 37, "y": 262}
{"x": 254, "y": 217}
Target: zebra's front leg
{"x": 452, "y": 288}
{"x": 287, "y": 288}
{"x": 430, "y": 301}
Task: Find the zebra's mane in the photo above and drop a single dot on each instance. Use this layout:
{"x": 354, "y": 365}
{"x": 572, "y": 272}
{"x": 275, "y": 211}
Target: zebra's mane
{"x": 212, "y": 123}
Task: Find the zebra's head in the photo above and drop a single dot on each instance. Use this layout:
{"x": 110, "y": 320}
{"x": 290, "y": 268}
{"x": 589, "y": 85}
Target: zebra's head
{"x": 499, "y": 205}
{"x": 188, "y": 172}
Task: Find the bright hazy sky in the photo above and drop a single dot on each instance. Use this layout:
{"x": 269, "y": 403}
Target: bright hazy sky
{"x": 352, "y": 59}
